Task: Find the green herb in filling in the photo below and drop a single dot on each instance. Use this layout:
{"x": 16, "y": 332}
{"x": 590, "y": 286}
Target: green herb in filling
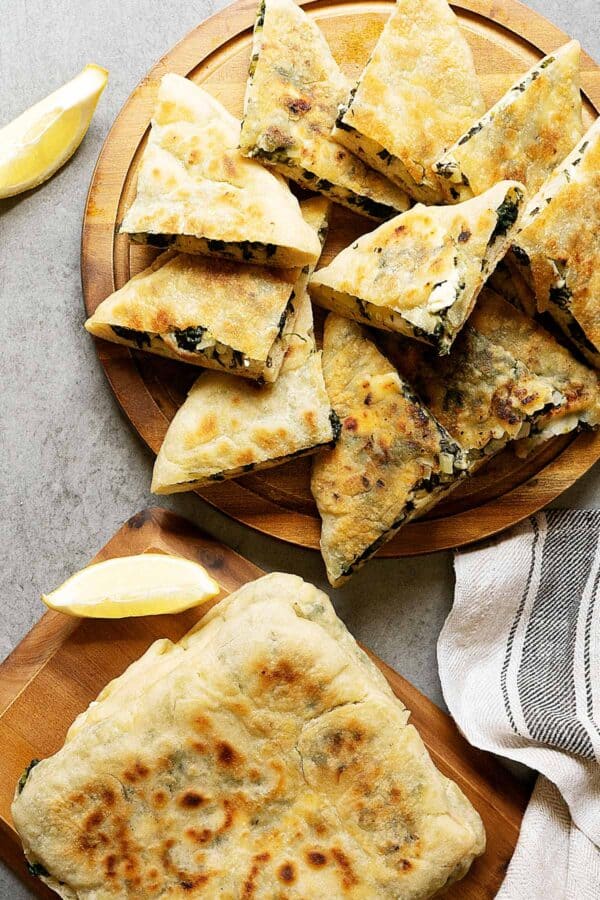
{"x": 25, "y": 775}
{"x": 130, "y": 334}
{"x": 36, "y": 870}
{"x": 508, "y": 213}
{"x": 189, "y": 338}
{"x": 471, "y": 133}
{"x": 336, "y": 425}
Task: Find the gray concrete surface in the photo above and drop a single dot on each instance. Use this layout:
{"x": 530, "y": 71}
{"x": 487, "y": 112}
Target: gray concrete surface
{"x": 71, "y": 468}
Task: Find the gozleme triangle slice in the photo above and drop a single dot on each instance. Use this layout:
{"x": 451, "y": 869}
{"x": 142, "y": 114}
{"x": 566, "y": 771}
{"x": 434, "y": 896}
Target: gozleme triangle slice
{"x": 530, "y": 343}
{"x": 557, "y": 249}
{"x": 524, "y": 135}
{"x": 483, "y": 394}
{"x": 228, "y": 426}
{"x": 420, "y": 273}
{"x": 418, "y": 93}
{"x": 222, "y": 315}
{"x": 198, "y": 194}
{"x": 251, "y": 752}
{"x": 294, "y": 89}
{"x": 391, "y": 461}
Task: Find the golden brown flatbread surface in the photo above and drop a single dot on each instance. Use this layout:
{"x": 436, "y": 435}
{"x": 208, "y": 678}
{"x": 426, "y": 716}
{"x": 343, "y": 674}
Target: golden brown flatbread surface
{"x": 558, "y": 248}
{"x": 417, "y": 94}
{"x": 198, "y": 194}
{"x": 294, "y": 89}
{"x": 391, "y": 461}
{"x": 420, "y": 273}
{"x": 263, "y": 754}
{"x": 524, "y": 135}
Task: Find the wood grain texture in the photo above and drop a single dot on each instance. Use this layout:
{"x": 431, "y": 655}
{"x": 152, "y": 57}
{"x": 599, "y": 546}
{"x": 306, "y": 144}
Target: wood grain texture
{"x": 63, "y": 663}
{"x": 507, "y": 38}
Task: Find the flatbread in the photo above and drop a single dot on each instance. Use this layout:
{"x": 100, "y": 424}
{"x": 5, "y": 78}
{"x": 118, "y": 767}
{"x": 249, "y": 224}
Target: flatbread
{"x": 392, "y": 459}
{"x": 482, "y": 394}
{"x": 524, "y": 135}
{"x": 529, "y": 342}
{"x": 227, "y": 427}
{"x": 418, "y": 93}
{"x": 198, "y": 194}
{"x": 419, "y": 274}
{"x": 558, "y": 248}
{"x": 263, "y": 755}
{"x": 294, "y": 89}
{"x": 213, "y": 313}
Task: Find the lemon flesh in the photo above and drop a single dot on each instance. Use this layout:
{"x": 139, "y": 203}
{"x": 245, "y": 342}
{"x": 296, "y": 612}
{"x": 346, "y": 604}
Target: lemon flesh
{"x": 41, "y": 140}
{"x": 146, "y": 585}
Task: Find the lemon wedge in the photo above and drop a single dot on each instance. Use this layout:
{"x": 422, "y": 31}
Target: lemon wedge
{"x": 44, "y": 137}
{"x": 146, "y": 585}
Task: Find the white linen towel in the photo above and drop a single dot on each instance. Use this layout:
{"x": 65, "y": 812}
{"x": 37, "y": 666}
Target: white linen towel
{"x": 519, "y": 660}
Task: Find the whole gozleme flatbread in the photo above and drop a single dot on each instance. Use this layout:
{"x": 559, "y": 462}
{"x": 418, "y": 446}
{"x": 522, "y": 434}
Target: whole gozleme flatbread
{"x": 227, "y": 426}
{"x": 261, "y": 755}
{"x": 420, "y": 273}
{"x": 198, "y": 194}
{"x": 222, "y": 315}
{"x": 391, "y": 461}
{"x": 294, "y": 89}
{"x": 558, "y": 247}
{"x": 418, "y": 93}
{"x": 524, "y": 135}
{"x": 530, "y": 343}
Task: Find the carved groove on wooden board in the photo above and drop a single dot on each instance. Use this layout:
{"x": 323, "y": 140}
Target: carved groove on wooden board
{"x": 63, "y": 663}
{"x": 507, "y": 38}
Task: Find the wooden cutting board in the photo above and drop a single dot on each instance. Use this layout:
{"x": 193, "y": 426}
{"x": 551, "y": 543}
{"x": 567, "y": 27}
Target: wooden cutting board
{"x": 63, "y": 663}
{"x": 506, "y": 38}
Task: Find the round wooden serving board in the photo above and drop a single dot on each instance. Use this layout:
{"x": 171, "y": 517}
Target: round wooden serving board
{"x": 507, "y": 38}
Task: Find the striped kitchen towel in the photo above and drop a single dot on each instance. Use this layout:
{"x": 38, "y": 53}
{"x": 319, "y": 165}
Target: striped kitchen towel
{"x": 519, "y": 659}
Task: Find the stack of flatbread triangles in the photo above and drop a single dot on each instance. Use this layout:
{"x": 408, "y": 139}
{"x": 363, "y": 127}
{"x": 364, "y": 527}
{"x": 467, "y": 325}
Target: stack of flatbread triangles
{"x": 433, "y": 357}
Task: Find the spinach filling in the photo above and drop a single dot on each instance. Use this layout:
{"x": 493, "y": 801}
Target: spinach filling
{"x": 237, "y": 359}
{"x": 189, "y": 338}
{"x": 507, "y": 213}
{"x": 446, "y": 170}
{"x": 336, "y": 425}
{"x": 427, "y": 484}
{"x": 130, "y": 334}
{"x": 373, "y": 208}
{"x": 471, "y": 133}
{"x": 276, "y": 155}
{"x": 25, "y": 775}
{"x": 339, "y": 122}
{"x": 36, "y": 870}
